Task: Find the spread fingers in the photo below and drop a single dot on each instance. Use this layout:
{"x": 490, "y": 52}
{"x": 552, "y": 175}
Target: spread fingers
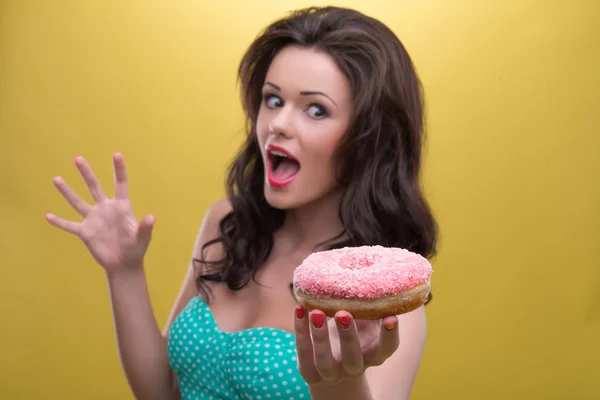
{"x": 68, "y": 226}
{"x": 352, "y": 357}
{"x": 387, "y": 344}
{"x": 304, "y": 347}
{"x": 121, "y": 184}
{"x": 72, "y": 198}
{"x": 90, "y": 180}
{"x": 324, "y": 360}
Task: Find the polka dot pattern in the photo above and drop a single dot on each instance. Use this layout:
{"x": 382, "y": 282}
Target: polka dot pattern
{"x": 258, "y": 363}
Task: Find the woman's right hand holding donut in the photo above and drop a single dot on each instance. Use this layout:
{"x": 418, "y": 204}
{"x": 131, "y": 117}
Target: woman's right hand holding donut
{"x": 109, "y": 229}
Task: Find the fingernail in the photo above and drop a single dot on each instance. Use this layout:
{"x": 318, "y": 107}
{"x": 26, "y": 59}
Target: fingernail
{"x": 343, "y": 321}
{"x": 299, "y": 312}
{"x": 390, "y": 325}
{"x": 318, "y": 320}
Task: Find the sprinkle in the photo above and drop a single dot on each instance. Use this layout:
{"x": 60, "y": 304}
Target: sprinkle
{"x": 361, "y": 272}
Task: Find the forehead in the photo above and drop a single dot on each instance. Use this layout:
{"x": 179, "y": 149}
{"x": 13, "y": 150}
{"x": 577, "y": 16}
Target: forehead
{"x": 296, "y": 69}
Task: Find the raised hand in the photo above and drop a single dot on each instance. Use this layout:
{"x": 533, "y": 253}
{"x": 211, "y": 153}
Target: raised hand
{"x": 109, "y": 228}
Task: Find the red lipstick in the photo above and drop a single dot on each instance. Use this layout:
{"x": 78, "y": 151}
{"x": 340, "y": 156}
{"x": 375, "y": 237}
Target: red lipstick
{"x": 282, "y": 166}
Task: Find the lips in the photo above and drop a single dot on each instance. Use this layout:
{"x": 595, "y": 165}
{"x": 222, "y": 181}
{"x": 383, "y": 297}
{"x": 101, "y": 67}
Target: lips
{"x": 282, "y": 166}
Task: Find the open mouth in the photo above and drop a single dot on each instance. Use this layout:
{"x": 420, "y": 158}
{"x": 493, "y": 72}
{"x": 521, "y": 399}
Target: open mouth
{"x": 283, "y": 167}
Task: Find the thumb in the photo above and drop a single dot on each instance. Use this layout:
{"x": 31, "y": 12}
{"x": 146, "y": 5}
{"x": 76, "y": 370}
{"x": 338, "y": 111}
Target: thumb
{"x": 144, "y": 233}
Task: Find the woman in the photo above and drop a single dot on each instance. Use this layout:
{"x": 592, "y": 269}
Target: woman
{"x": 332, "y": 159}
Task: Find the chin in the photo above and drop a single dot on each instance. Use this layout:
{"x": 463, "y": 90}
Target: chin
{"x": 297, "y": 195}
{"x": 282, "y": 199}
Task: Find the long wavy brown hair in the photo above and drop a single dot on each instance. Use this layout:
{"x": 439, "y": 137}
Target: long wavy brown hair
{"x": 380, "y": 156}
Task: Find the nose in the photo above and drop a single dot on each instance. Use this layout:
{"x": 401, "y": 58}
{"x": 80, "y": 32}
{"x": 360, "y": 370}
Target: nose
{"x": 281, "y": 123}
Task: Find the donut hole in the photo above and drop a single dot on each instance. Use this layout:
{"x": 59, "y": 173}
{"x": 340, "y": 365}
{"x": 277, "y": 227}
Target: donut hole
{"x": 359, "y": 261}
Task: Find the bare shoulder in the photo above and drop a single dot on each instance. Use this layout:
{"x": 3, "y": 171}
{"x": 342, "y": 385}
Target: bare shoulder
{"x": 208, "y": 230}
{"x": 216, "y": 211}
{"x": 395, "y": 377}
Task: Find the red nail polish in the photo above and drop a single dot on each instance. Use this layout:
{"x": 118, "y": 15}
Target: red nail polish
{"x": 318, "y": 320}
{"x": 299, "y": 312}
{"x": 344, "y": 321}
{"x": 390, "y": 325}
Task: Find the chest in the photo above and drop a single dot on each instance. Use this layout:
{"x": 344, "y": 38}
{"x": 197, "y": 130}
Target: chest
{"x": 252, "y": 363}
{"x": 268, "y": 302}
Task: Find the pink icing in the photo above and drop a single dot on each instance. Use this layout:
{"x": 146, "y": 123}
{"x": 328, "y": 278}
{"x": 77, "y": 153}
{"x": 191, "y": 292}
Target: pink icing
{"x": 361, "y": 272}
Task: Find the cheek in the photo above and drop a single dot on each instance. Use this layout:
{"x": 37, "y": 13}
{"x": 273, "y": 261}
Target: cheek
{"x": 261, "y": 130}
{"x": 324, "y": 151}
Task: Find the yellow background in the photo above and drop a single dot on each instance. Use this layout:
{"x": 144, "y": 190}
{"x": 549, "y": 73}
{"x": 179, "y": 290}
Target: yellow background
{"x": 511, "y": 171}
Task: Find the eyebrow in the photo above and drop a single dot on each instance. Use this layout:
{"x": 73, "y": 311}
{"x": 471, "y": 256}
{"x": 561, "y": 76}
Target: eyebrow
{"x": 303, "y": 93}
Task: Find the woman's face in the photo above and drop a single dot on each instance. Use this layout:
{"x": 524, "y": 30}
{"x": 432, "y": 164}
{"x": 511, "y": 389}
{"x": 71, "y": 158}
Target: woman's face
{"x": 305, "y": 111}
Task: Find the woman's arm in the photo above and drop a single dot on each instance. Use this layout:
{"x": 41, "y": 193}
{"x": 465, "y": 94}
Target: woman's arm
{"x": 350, "y": 388}
{"x": 394, "y": 379}
{"x": 118, "y": 242}
{"x": 142, "y": 348}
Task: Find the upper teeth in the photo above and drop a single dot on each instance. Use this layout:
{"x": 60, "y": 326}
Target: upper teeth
{"x": 278, "y": 153}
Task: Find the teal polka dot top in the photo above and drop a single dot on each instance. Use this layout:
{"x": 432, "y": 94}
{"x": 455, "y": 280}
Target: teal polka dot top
{"x": 257, "y": 363}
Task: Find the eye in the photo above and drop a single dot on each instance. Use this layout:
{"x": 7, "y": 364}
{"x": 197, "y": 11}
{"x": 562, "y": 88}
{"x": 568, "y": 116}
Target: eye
{"x": 272, "y": 101}
{"x": 316, "y": 111}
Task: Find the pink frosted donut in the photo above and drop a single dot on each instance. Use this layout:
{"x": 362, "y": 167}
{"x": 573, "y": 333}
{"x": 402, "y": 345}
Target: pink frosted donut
{"x": 370, "y": 282}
